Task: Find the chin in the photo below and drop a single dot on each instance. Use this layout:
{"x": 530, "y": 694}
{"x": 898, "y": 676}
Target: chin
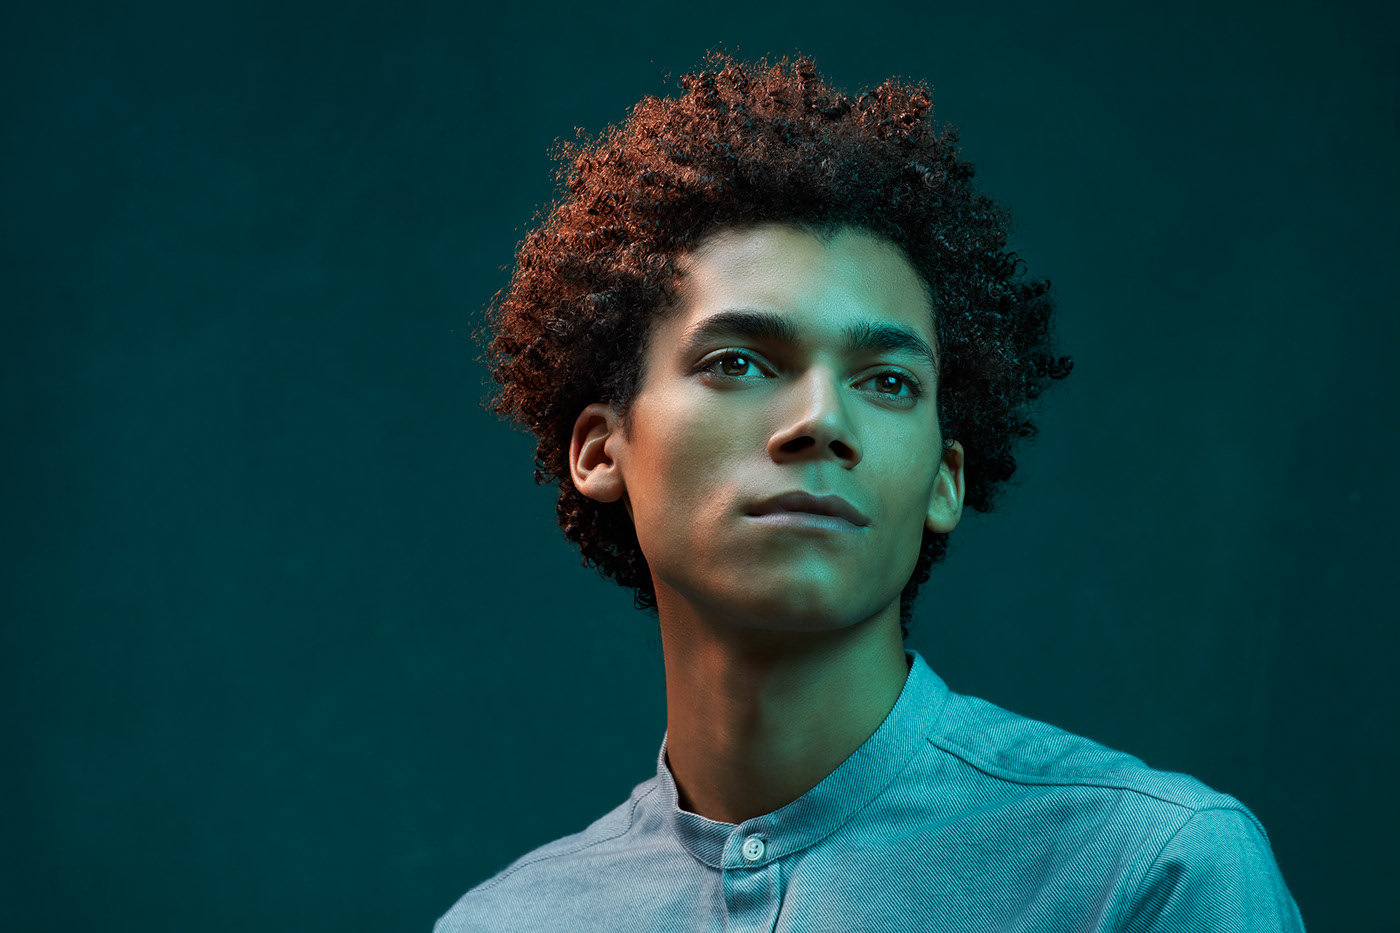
{"x": 785, "y": 613}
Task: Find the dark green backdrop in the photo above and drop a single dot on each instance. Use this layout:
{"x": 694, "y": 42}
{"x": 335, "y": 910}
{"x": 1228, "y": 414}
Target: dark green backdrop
{"x": 292, "y": 640}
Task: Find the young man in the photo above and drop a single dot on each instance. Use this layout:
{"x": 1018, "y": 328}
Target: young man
{"x": 772, "y": 345}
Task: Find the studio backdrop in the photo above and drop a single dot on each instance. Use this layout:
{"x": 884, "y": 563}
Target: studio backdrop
{"x": 292, "y": 640}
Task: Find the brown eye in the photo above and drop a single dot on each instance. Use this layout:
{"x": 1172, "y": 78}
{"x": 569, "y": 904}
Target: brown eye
{"x": 737, "y": 360}
{"x": 898, "y": 380}
{"x": 883, "y": 380}
{"x": 733, "y": 359}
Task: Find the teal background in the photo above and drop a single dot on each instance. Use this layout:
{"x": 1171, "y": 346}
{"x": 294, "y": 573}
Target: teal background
{"x": 291, "y": 638}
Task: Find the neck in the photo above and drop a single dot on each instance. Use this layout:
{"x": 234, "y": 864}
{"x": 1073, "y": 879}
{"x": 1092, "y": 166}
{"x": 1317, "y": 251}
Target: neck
{"x": 755, "y": 717}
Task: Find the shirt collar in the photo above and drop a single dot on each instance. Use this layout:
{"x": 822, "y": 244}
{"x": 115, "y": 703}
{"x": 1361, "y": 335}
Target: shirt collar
{"x": 837, "y": 799}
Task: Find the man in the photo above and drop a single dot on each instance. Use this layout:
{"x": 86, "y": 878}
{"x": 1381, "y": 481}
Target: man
{"x": 771, "y": 345}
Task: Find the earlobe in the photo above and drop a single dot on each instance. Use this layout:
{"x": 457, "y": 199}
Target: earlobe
{"x": 594, "y": 471}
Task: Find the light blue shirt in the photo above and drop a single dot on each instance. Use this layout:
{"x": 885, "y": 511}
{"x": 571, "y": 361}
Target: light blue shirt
{"x": 956, "y": 815}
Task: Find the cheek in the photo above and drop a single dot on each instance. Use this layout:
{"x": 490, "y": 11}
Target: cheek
{"x": 906, "y": 491}
{"x": 677, "y": 479}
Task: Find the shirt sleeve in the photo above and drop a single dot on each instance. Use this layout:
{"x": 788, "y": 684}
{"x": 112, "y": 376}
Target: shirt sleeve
{"x": 1217, "y": 873}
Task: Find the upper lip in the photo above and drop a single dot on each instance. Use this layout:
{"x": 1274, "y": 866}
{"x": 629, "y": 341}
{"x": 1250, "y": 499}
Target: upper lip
{"x": 799, "y": 501}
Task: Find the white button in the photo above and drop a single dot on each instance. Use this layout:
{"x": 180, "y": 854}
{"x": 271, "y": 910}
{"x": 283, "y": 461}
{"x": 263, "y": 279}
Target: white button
{"x": 753, "y": 848}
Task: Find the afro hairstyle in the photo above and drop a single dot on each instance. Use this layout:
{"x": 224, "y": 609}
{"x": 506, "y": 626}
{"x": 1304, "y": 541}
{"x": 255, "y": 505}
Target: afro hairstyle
{"x": 749, "y": 144}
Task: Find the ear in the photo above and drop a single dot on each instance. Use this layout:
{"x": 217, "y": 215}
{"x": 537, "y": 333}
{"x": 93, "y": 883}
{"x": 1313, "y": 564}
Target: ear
{"x": 946, "y": 502}
{"x": 596, "y": 442}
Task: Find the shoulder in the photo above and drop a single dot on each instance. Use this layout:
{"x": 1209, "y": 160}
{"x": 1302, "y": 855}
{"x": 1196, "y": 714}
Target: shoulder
{"x": 1187, "y": 856}
{"x": 1216, "y": 872}
{"x": 496, "y": 904}
{"x": 1009, "y": 747}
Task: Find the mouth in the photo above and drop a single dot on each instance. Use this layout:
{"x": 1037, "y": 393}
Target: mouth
{"x": 800, "y": 507}
{"x": 805, "y": 521}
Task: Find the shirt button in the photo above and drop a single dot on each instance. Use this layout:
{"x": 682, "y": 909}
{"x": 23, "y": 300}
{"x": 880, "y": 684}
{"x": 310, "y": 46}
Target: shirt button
{"x": 753, "y": 848}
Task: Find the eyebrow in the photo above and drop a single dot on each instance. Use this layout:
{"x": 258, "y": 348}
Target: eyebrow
{"x": 752, "y": 324}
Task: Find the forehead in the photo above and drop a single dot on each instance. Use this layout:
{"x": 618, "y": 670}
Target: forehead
{"x": 822, "y": 285}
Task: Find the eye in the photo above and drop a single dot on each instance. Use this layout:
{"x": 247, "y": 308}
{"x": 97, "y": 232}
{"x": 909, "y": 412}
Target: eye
{"x": 914, "y": 391}
{"x": 739, "y": 356}
{"x": 740, "y": 360}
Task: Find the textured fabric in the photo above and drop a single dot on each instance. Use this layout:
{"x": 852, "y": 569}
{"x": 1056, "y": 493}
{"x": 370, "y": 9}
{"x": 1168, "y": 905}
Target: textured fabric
{"x": 956, "y": 815}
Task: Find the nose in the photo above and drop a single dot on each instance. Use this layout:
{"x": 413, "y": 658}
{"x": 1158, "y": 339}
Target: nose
{"x": 816, "y": 424}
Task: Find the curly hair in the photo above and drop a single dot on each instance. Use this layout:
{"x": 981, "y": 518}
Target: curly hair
{"x": 749, "y": 144}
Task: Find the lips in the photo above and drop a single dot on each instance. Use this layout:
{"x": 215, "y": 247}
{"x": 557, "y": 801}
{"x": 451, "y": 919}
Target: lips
{"x": 799, "y": 501}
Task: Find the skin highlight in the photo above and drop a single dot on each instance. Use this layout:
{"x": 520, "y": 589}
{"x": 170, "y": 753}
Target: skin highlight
{"x": 783, "y": 648}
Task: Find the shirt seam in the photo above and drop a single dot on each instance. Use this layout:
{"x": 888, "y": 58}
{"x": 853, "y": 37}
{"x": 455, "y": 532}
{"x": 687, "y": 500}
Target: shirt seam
{"x": 1017, "y": 777}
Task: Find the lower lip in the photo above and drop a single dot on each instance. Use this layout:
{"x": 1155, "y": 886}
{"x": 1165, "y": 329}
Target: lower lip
{"x": 805, "y": 520}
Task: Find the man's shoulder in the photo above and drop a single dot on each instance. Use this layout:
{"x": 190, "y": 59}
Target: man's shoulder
{"x": 497, "y": 902}
{"x": 1156, "y": 849}
{"x": 1010, "y": 747}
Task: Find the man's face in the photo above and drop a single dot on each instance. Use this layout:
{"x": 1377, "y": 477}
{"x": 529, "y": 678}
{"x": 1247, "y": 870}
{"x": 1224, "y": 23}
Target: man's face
{"x": 726, "y": 419}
